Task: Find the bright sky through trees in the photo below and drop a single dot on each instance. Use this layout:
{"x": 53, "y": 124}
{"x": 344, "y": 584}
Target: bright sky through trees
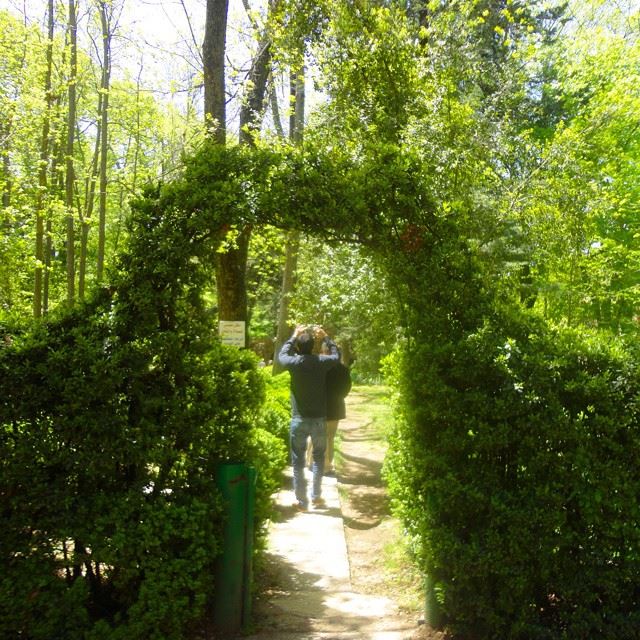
{"x": 159, "y": 41}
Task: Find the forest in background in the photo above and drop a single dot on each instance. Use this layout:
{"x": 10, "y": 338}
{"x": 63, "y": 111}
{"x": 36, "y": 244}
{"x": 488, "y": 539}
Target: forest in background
{"x": 539, "y": 102}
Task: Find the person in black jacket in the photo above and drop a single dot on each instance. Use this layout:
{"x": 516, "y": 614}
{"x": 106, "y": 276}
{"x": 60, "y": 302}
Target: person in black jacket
{"x": 308, "y": 406}
{"x": 338, "y": 385}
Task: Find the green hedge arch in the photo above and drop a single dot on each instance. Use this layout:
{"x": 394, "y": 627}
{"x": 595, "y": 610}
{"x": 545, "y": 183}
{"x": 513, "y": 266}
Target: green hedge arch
{"x": 115, "y": 414}
{"x": 515, "y": 462}
{"x": 146, "y": 401}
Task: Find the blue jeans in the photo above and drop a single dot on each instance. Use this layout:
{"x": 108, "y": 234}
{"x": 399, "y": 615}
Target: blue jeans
{"x": 301, "y": 429}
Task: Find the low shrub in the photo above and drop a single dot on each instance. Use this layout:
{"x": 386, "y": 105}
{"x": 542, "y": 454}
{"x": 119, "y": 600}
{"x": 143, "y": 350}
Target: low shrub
{"x": 269, "y": 452}
{"x": 111, "y": 514}
{"x": 275, "y": 414}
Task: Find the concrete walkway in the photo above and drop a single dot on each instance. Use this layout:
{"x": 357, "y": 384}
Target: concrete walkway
{"x": 313, "y": 596}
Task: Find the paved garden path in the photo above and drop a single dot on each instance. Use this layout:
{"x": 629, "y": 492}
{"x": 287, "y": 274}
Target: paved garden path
{"x": 308, "y": 592}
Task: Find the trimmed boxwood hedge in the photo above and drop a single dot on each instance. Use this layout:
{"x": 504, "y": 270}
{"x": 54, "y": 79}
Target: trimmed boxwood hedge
{"x": 113, "y": 418}
{"x": 515, "y": 466}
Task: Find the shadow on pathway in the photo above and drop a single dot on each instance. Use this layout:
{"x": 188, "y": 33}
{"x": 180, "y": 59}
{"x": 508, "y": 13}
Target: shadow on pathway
{"x": 307, "y": 580}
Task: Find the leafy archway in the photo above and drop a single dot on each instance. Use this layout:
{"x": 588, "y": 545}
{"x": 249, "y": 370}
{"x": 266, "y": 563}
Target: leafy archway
{"x": 116, "y": 413}
{"x": 381, "y": 202}
{"x": 506, "y": 424}
{"x": 511, "y": 464}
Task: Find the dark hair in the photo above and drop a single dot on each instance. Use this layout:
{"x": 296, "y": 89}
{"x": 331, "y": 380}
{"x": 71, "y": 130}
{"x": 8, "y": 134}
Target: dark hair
{"x": 304, "y": 343}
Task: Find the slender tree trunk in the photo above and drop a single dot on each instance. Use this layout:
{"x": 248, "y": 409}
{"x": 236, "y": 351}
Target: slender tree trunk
{"x": 253, "y": 105}
{"x": 275, "y": 110}
{"x": 296, "y": 119}
{"x": 231, "y": 265}
{"x": 57, "y": 188}
{"x": 42, "y": 171}
{"x": 104, "y": 128}
{"x": 5, "y": 183}
{"x": 48, "y": 251}
{"x": 296, "y": 130}
{"x": 213, "y": 52}
{"x": 288, "y": 287}
{"x": 69, "y": 170}
{"x": 85, "y": 218}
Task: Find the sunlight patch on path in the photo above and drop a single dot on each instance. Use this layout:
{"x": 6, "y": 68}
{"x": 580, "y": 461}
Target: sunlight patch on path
{"x": 312, "y": 595}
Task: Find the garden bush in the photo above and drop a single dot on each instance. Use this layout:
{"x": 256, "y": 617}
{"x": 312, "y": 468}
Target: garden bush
{"x": 113, "y": 420}
{"x": 515, "y": 465}
{"x": 271, "y": 447}
{"x": 111, "y": 514}
{"x": 276, "y": 411}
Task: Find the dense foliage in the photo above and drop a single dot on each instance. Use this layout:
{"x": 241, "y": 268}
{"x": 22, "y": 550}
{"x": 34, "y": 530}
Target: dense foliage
{"x": 343, "y": 288}
{"x": 515, "y": 467}
{"x": 513, "y": 462}
{"x": 145, "y": 139}
{"x": 114, "y": 418}
{"x": 486, "y": 171}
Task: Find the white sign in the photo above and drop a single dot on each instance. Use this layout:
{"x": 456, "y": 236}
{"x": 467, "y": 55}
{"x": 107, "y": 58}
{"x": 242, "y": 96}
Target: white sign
{"x": 232, "y": 332}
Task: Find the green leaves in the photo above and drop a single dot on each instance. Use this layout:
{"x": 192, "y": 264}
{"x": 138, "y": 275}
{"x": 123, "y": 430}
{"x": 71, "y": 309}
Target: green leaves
{"x": 512, "y": 465}
{"x": 573, "y": 200}
{"x": 114, "y": 417}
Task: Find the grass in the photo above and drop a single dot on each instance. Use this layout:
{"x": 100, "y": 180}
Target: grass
{"x": 401, "y": 574}
{"x": 376, "y": 409}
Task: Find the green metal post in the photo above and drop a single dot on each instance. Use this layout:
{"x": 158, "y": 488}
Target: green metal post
{"x": 432, "y": 609}
{"x": 231, "y": 607}
{"x": 248, "y": 547}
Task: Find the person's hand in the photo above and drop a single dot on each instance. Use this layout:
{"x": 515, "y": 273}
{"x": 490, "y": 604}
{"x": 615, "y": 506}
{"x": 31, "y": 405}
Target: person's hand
{"x": 320, "y": 333}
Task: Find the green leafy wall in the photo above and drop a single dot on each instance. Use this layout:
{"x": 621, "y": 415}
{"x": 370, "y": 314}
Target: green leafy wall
{"x": 515, "y": 467}
{"x": 114, "y": 417}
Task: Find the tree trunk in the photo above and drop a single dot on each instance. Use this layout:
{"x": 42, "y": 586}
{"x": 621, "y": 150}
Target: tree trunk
{"x": 231, "y": 280}
{"x": 5, "y": 183}
{"x": 48, "y": 252}
{"x": 296, "y": 119}
{"x": 57, "y": 188}
{"x": 232, "y": 265}
{"x": 42, "y": 171}
{"x": 288, "y": 287}
{"x": 69, "y": 171}
{"x": 253, "y": 105}
{"x": 213, "y": 51}
{"x": 104, "y": 128}
{"x": 85, "y": 218}
{"x": 275, "y": 111}
{"x": 296, "y": 130}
